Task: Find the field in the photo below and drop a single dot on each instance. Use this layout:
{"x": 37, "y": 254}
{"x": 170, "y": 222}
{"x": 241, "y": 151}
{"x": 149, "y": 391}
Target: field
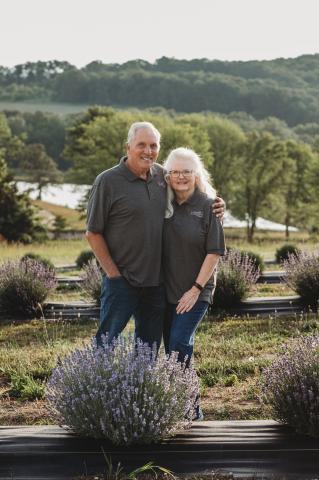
{"x": 48, "y": 211}
{"x": 54, "y": 107}
{"x": 229, "y": 353}
{"x": 229, "y": 357}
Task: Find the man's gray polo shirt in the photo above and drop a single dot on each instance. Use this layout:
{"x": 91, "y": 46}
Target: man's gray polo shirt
{"x": 129, "y": 212}
{"x": 189, "y": 235}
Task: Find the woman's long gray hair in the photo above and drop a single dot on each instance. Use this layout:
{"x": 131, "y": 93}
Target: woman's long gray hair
{"x": 203, "y": 180}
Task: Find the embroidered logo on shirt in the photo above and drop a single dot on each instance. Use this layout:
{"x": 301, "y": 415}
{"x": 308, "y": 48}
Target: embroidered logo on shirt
{"x": 161, "y": 184}
{"x": 198, "y": 214}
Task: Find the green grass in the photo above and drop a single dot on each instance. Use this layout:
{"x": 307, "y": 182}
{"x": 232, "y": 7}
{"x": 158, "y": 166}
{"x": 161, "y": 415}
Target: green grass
{"x": 44, "y": 106}
{"x": 266, "y": 242}
{"x": 60, "y": 252}
{"x": 72, "y": 217}
{"x": 229, "y": 357}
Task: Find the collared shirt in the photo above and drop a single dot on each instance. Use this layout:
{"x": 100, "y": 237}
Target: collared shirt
{"x": 129, "y": 212}
{"x": 189, "y": 235}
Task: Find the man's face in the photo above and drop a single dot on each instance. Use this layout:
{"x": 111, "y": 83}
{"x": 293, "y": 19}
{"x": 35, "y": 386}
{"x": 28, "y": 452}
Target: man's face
{"x": 143, "y": 151}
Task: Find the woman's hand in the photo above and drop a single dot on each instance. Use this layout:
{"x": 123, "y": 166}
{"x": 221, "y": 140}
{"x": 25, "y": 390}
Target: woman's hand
{"x": 188, "y": 300}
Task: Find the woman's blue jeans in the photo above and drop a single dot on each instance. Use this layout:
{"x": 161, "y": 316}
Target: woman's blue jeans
{"x": 179, "y": 329}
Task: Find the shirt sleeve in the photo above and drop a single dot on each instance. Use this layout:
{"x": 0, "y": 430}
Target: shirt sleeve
{"x": 215, "y": 240}
{"x": 99, "y": 206}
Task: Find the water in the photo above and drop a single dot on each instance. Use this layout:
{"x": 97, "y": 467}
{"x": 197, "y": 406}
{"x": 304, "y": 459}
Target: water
{"x": 66, "y": 194}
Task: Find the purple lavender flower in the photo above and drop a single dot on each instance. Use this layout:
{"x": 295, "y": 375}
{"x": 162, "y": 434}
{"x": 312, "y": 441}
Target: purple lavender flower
{"x": 123, "y": 392}
{"x": 237, "y": 273}
{"x": 302, "y": 275}
{"x": 92, "y": 279}
{"x": 24, "y": 285}
{"x": 291, "y": 386}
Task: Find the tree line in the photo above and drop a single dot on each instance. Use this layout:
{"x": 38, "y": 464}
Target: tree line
{"x": 284, "y": 88}
{"x": 257, "y": 171}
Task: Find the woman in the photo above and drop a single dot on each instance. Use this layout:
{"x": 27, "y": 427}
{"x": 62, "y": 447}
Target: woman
{"x": 193, "y": 240}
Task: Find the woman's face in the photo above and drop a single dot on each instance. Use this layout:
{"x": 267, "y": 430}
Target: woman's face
{"x": 182, "y": 175}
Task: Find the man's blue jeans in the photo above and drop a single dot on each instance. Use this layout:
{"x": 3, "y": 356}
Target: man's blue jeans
{"x": 179, "y": 329}
{"x": 120, "y": 301}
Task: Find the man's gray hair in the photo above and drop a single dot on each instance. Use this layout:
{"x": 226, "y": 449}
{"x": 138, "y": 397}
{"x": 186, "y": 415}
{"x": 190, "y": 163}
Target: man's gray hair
{"x": 136, "y": 126}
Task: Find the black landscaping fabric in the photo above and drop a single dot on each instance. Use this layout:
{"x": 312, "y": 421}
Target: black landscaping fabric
{"x": 257, "y": 449}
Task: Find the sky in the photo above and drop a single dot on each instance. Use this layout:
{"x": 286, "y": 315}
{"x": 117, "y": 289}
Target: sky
{"x": 80, "y": 31}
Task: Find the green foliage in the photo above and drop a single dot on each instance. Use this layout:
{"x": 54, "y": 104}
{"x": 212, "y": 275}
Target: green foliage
{"x": 260, "y": 170}
{"x": 282, "y": 253}
{"x": 60, "y": 225}
{"x": 84, "y": 258}
{"x": 39, "y": 167}
{"x": 284, "y": 88}
{"x": 25, "y": 387}
{"x": 96, "y": 142}
{"x": 18, "y": 222}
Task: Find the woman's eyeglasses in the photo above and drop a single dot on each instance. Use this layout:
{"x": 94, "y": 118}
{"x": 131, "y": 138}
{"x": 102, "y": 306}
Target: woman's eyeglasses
{"x": 181, "y": 173}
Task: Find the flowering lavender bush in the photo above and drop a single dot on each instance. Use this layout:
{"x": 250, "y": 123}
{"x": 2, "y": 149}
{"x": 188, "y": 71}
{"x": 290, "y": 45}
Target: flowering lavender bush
{"x": 237, "y": 272}
{"x": 123, "y": 392}
{"x": 291, "y": 386}
{"x": 24, "y": 285}
{"x": 302, "y": 275}
{"x": 92, "y": 279}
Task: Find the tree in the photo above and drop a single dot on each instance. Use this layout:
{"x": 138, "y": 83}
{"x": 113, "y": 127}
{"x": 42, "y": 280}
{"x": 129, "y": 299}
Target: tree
{"x": 11, "y": 145}
{"x": 60, "y": 225}
{"x": 17, "y": 216}
{"x": 40, "y": 168}
{"x": 295, "y": 186}
{"x": 259, "y": 175}
{"x": 226, "y": 140}
{"x": 95, "y": 143}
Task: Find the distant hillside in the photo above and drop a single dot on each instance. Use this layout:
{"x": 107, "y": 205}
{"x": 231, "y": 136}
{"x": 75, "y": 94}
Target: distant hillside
{"x": 284, "y": 88}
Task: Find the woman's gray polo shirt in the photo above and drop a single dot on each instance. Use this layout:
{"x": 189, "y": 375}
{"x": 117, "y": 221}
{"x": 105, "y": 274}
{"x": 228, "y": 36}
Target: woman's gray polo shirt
{"x": 189, "y": 235}
{"x": 129, "y": 212}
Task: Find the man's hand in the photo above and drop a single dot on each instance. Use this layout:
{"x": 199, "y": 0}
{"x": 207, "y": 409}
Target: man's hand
{"x": 219, "y": 207}
{"x": 188, "y": 300}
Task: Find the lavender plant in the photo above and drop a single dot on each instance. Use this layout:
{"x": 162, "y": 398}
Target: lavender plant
{"x": 123, "y": 392}
{"x": 291, "y": 386}
{"x": 302, "y": 275}
{"x": 24, "y": 285}
{"x": 237, "y": 272}
{"x": 92, "y": 279}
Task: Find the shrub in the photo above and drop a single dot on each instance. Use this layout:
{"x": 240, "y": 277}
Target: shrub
{"x": 283, "y": 252}
{"x": 24, "y": 286}
{"x": 236, "y": 274}
{"x": 35, "y": 256}
{"x": 302, "y": 275}
{"x": 84, "y": 257}
{"x": 123, "y": 392}
{"x": 26, "y": 387}
{"x": 257, "y": 260}
{"x": 92, "y": 279}
{"x": 291, "y": 386}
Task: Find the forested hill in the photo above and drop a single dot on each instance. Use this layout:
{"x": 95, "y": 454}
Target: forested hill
{"x": 284, "y": 88}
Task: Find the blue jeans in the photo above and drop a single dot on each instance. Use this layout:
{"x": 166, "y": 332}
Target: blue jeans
{"x": 120, "y": 301}
{"x": 179, "y": 329}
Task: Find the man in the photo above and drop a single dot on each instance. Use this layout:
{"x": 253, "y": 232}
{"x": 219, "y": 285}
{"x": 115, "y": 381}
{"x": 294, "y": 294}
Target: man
{"x": 124, "y": 228}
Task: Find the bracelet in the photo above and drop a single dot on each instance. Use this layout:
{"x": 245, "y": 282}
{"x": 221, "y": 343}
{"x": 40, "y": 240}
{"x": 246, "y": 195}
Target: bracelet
{"x": 198, "y": 285}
